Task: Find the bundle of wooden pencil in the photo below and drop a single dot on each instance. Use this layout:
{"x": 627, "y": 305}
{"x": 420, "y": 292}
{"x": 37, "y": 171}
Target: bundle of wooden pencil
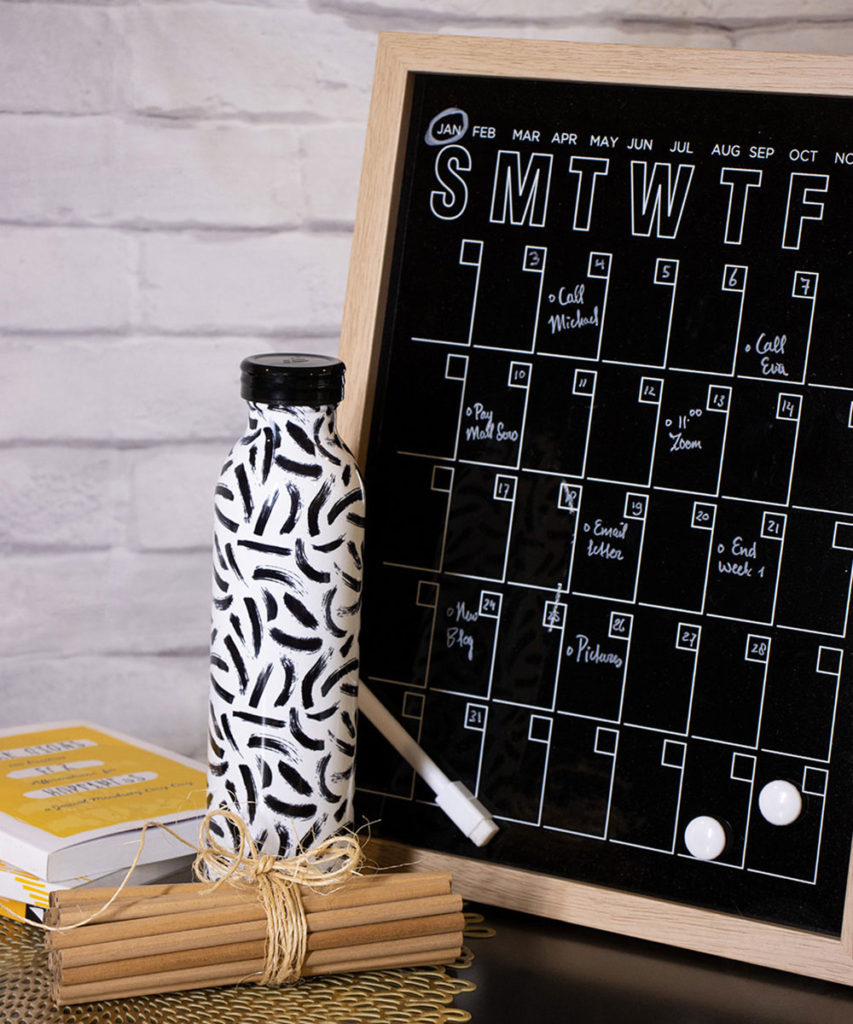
{"x": 169, "y": 938}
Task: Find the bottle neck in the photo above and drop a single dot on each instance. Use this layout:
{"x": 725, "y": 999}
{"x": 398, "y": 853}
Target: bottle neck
{"x": 319, "y": 421}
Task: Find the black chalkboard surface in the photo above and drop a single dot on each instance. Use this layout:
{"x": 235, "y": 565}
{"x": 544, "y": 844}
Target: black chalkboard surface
{"x": 610, "y": 476}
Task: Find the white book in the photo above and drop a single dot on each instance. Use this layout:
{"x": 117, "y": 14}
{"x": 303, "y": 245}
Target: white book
{"x": 18, "y": 888}
{"x": 74, "y": 798}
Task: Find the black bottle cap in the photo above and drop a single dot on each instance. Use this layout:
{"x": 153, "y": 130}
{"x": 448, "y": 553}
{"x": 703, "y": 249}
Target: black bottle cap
{"x": 292, "y": 378}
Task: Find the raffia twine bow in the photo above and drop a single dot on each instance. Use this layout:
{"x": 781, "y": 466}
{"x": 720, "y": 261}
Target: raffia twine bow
{"x": 277, "y": 882}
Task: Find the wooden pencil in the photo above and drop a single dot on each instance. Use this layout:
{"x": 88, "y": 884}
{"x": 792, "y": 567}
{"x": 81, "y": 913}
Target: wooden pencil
{"x": 239, "y": 972}
{"x": 249, "y": 951}
{"x": 137, "y": 902}
{"x": 196, "y": 928}
{"x": 201, "y": 938}
{"x": 339, "y": 914}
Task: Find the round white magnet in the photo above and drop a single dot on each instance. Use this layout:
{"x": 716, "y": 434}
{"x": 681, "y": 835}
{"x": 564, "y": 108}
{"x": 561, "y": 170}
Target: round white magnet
{"x": 705, "y": 838}
{"x": 780, "y": 802}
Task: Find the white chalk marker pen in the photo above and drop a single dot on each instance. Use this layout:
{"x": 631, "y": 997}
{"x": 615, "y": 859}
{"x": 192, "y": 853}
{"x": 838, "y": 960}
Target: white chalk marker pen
{"x": 456, "y": 800}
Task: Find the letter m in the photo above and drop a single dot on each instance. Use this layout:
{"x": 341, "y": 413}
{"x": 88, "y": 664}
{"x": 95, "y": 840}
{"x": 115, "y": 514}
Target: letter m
{"x": 656, "y": 199}
{"x": 523, "y": 197}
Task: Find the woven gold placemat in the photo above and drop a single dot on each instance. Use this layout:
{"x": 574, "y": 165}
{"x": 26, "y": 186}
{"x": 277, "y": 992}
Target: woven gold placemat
{"x": 411, "y": 995}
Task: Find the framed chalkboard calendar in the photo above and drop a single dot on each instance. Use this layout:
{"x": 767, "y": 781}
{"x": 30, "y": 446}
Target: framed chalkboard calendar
{"x": 599, "y": 331}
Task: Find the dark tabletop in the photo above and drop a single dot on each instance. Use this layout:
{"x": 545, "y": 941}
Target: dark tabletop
{"x": 541, "y": 971}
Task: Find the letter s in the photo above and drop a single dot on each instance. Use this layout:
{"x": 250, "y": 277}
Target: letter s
{"x": 450, "y": 200}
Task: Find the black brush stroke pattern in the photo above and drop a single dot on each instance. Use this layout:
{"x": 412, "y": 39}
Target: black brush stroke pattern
{"x": 283, "y": 705}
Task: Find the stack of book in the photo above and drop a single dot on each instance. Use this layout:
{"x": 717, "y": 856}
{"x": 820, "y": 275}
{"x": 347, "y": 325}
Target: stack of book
{"x": 74, "y": 798}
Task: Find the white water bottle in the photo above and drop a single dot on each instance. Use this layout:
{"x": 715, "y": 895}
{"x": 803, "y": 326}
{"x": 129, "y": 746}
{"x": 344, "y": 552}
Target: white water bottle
{"x": 287, "y": 571}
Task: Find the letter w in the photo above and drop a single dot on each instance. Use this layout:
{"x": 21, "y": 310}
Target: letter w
{"x": 658, "y": 201}
{"x": 523, "y": 197}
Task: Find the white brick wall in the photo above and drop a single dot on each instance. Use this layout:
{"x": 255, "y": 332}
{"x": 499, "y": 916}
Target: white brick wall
{"x": 58, "y": 57}
{"x": 58, "y": 499}
{"x": 57, "y": 170}
{"x": 180, "y": 476}
{"x": 210, "y": 281}
{"x": 62, "y": 279}
{"x": 231, "y": 60}
{"x": 179, "y": 174}
{"x": 177, "y": 187}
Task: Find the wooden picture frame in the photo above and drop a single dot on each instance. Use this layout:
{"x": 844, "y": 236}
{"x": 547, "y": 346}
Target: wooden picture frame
{"x": 399, "y": 58}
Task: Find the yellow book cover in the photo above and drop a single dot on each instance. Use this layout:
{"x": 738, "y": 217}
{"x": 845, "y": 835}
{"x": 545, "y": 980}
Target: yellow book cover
{"x": 74, "y": 797}
{"x": 19, "y": 911}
